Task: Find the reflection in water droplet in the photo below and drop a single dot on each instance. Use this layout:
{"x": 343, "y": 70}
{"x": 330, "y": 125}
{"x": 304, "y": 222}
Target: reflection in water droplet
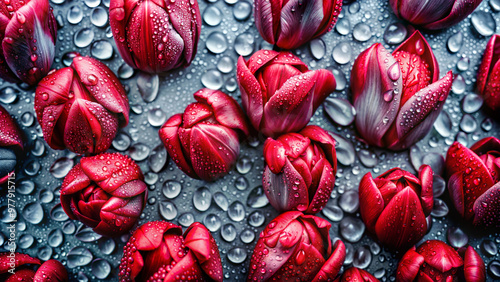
{"x": 352, "y": 229}
{"x": 247, "y": 236}
{"x": 244, "y": 165}
{"x": 472, "y": 103}
{"x": 8, "y": 95}
{"x": 102, "y": 50}
{"x": 148, "y": 85}
{"x": 483, "y": 23}
{"x": 242, "y": 10}
{"x": 237, "y": 255}
{"x": 489, "y": 247}
{"x": 256, "y": 219}
{"x": 83, "y": 37}
{"x": 340, "y": 111}
{"x": 121, "y": 142}
{"x": 395, "y": 33}
{"x": 244, "y": 44}
{"x": 362, "y": 257}
{"x": 99, "y": 17}
{"x": 216, "y": 42}
{"x": 362, "y": 32}
{"x": 228, "y": 232}
{"x": 171, "y": 188}
{"x": 33, "y": 213}
{"x": 212, "y": 222}
{"x": 236, "y": 211}
{"x": 212, "y": 16}
{"x": 458, "y": 85}
{"x": 157, "y": 117}
{"x": 455, "y": 42}
{"x": 75, "y": 14}
{"x": 342, "y": 53}
{"x": 212, "y": 79}
{"x": 468, "y": 124}
{"x": 202, "y": 198}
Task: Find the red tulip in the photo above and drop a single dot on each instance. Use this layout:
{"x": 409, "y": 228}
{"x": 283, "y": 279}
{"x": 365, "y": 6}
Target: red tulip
{"x": 204, "y": 141}
{"x": 398, "y": 97}
{"x": 279, "y": 93}
{"x": 14, "y": 267}
{"x": 474, "y": 181}
{"x": 156, "y": 36}
{"x": 105, "y": 192}
{"x": 296, "y": 247}
{"x": 300, "y": 170}
{"x": 488, "y": 77}
{"x": 28, "y": 36}
{"x": 290, "y": 24}
{"x": 81, "y": 107}
{"x": 394, "y": 206}
{"x": 434, "y": 14}
{"x": 355, "y": 274}
{"x": 158, "y": 251}
{"x": 436, "y": 261}
{"x": 11, "y": 144}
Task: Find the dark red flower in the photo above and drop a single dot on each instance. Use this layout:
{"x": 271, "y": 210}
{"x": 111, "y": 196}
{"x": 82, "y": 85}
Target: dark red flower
{"x": 279, "y": 93}
{"x": 434, "y": 260}
{"x": 28, "y": 36}
{"x": 156, "y": 36}
{"x": 488, "y": 76}
{"x": 81, "y": 107}
{"x": 105, "y": 192}
{"x": 290, "y": 24}
{"x": 158, "y": 251}
{"x": 204, "y": 141}
{"x": 11, "y": 144}
{"x": 49, "y": 271}
{"x": 394, "y": 206}
{"x": 296, "y": 247}
{"x": 398, "y": 97}
{"x": 300, "y": 170}
{"x": 474, "y": 181}
{"x": 355, "y": 274}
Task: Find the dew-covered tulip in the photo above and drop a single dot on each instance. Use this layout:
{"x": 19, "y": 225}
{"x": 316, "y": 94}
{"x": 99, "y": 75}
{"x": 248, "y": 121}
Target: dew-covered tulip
{"x": 290, "y": 24}
{"x": 300, "y": 170}
{"x": 204, "y": 141}
{"x": 398, "y": 96}
{"x": 28, "y": 35}
{"x": 488, "y": 77}
{"x": 297, "y": 247}
{"x": 434, "y": 14}
{"x": 394, "y": 206}
{"x": 156, "y": 36}
{"x": 11, "y": 144}
{"x": 21, "y": 267}
{"x": 105, "y": 192}
{"x": 81, "y": 107}
{"x": 474, "y": 181}
{"x": 158, "y": 251}
{"x": 355, "y": 274}
{"x": 279, "y": 93}
{"x": 434, "y": 260}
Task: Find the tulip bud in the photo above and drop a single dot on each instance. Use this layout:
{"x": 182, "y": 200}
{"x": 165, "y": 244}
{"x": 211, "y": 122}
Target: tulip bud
{"x": 156, "y": 36}
{"x": 394, "y": 206}
{"x": 296, "y": 245}
{"x": 11, "y": 144}
{"x": 157, "y": 250}
{"x": 488, "y": 77}
{"x": 474, "y": 181}
{"x": 28, "y": 33}
{"x": 434, "y": 260}
{"x": 80, "y": 107}
{"x": 290, "y": 24}
{"x": 49, "y": 271}
{"x": 434, "y": 14}
{"x": 279, "y": 93}
{"x": 300, "y": 170}
{"x": 355, "y": 274}
{"x": 106, "y": 192}
{"x": 204, "y": 141}
{"x": 398, "y": 97}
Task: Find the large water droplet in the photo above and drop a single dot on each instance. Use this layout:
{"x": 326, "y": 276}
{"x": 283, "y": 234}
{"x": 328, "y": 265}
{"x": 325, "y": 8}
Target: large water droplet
{"x": 171, "y": 188}
{"x": 25, "y": 187}
{"x": 8, "y": 95}
{"x": 344, "y": 149}
{"x": 242, "y": 10}
{"x": 455, "y": 42}
{"x": 483, "y": 23}
{"x": 236, "y": 211}
{"x": 228, "y": 232}
{"x": 247, "y": 236}
{"x": 168, "y": 210}
{"x": 342, "y": 53}
{"x": 362, "y": 32}
{"x": 458, "y": 85}
{"x": 212, "y": 222}
{"x": 101, "y": 268}
{"x": 186, "y": 219}
{"x": 349, "y": 201}
{"x": 83, "y": 37}
{"x": 157, "y": 117}
{"x": 472, "y": 103}
{"x": 443, "y": 124}
{"x": 86, "y": 234}
{"x": 435, "y": 161}
{"x": 216, "y": 42}
{"x": 244, "y": 165}
{"x": 212, "y": 79}
{"x": 25, "y": 241}
{"x": 121, "y": 142}
{"x": 457, "y": 237}
{"x": 99, "y": 17}
{"x": 333, "y": 212}
{"x": 317, "y": 48}
{"x": 148, "y": 85}
{"x": 33, "y": 213}
{"x": 226, "y": 64}
{"x": 343, "y": 26}
{"x": 463, "y": 64}
{"x": 107, "y": 245}
{"x": 368, "y": 158}
{"x": 468, "y": 124}
{"x": 244, "y": 44}
{"x": 489, "y": 248}
{"x": 340, "y": 111}
{"x": 75, "y": 14}
{"x": 257, "y": 198}
{"x": 440, "y": 208}
{"x": 139, "y": 152}
{"x": 362, "y": 257}
{"x": 102, "y": 50}
{"x": 438, "y": 186}
{"x": 352, "y": 229}
{"x": 57, "y": 213}
{"x": 395, "y": 33}
{"x": 61, "y": 167}
{"x": 55, "y": 238}
{"x": 237, "y": 255}
{"x": 79, "y": 256}
{"x": 158, "y": 158}
{"x": 92, "y": 3}
{"x": 202, "y": 198}
{"x": 212, "y": 16}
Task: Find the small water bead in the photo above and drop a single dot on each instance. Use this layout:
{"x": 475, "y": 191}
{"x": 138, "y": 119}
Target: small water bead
{"x": 228, "y": 232}
{"x": 157, "y": 117}
{"x": 86, "y": 234}
{"x": 244, "y": 165}
{"x": 443, "y": 124}
{"x": 212, "y": 222}
{"x": 75, "y": 14}
{"x": 495, "y": 5}
{"x": 79, "y": 256}
{"x": 333, "y": 212}
{"x": 101, "y": 268}
{"x": 340, "y": 111}
{"x": 489, "y": 248}
{"x": 171, "y": 188}
{"x": 212, "y": 79}
{"x": 242, "y": 10}
{"x": 44, "y": 252}
{"x": 25, "y": 241}
{"x": 125, "y": 71}
{"x": 202, "y": 199}
{"x": 68, "y": 228}
{"x": 186, "y": 219}
{"x": 483, "y": 23}
{"x": 457, "y": 237}
{"x": 435, "y": 161}
{"x": 440, "y": 208}
{"x": 8, "y": 95}
{"x": 216, "y": 42}
{"x": 343, "y": 26}
{"x": 61, "y": 167}
{"x": 225, "y": 64}
{"x": 438, "y": 186}
{"x": 362, "y": 32}
{"x": 45, "y": 196}
{"x": 121, "y": 142}
{"x": 102, "y": 50}
{"x": 55, "y": 238}
{"x": 344, "y": 149}
{"x": 487, "y": 124}
{"x": 244, "y": 44}
{"x": 462, "y": 138}
{"x": 27, "y": 119}
{"x": 236, "y": 211}
{"x": 33, "y": 213}
{"x": 92, "y": 3}
{"x": 471, "y": 103}
{"x": 221, "y": 200}
{"x": 83, "y": 37}
{"x": 395, "y": 33}
{"x": 168, "y": 210}
{"x": 463, "y": 64}
{"x": 237, "y": 255}
{"x": 349, "y": 201}
{"x": 212, "y": 16}
{"x": 256, "y": 219}
{"x": 352, "y": 229}
{"x": 362, "y": 257}
{"x": 342, "y": 53}
{"x": 247, "y": 236}
{"x": 458, "y": 85}
{"x": 148, "y": 85}
{"x": 139, "y": 152}
{"x": 32, "y": 167}
{"x": 257, "y": 198}
{"x": 99, "y": 17}
{"x": 317, "y": 48}
{"x": 57, "y": 213}
{"x": 25, "y": 187}
{"x": 368, "y": 158}
{"x": 455, "y": 42}
{"x": 468, "y": 123}
{"x": 107, "y": 245}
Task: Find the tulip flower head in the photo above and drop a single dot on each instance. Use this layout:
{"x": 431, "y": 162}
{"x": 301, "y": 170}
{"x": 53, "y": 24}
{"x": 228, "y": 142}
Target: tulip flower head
{"x": 355, "y": 274}
{"x": 11, "y": 144}
{"x": 49, "y": 271}
{"x": 488, "y": 77}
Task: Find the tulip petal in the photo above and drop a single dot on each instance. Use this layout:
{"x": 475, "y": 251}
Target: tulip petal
{"x": 426, "y": 194}
{"x": 474, "y": 269}
{"x": 51, "y": 270}
{"x": 251, "y": 93}
{"x": 263, "y": 58}
{"x": 186, "y": 19}
{"x": 325, "y": 140}
{"x": 491, "y": 57}
{"x": 21, "y": 275}
{"x": 267, "y": 16}
{"x": 460, "y": 10}
{"x": 409, "y": 265}
{"x": 186, "y": 267}
{"x": 416, "y": 44}
{"x": 5, "y": 72}
{"x": 371, "y": 202}
{"x": 288, "y": 58}
{"x": 10, "y": 133}
{"x": 323, "y": 188}
{"x": 439, "y": 255}
{"x": 485, "y": 145}
{"x": 19, "y": 259}
{"x": 75, "y": 181}
{"x": 317, "y": 230}
{"x": 149, "y": 235}
{"x": 274, "y": 155}
{"x": 487, "y": 208}
{"x": 294, "y": 143}
{"x": 332, "y": 266}
{"x": 276, "y": 226}
{"x": 298, "y": 19}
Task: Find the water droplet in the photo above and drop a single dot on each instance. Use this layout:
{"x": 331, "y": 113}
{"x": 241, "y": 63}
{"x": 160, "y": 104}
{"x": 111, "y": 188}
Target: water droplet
{"x": 102, "y": 50}
{"x": 468, "y": 124}
{"x": 395, "y": 33}
{"x": 339, "y": 78}
{"x": 79, "y": 256}
{"x": 244, "y": 44}
{"x": 226, "y": 64}
{"x": 352, "y": 229}
{"x": 139, "y": 152}
{"x": 75, "y": 14}
{"x": 483, "y": 23}
{"x": 354, "y": 8}
{"x": 61, "y": 167}
{"x": 25, "y": 241}
{"x": 317, "y": 48}
{"x": 440, "y": 208}
{"x": 487, "y": 124}
{"x": 228, "y": 232}
{"x": 458, "y": 86}
{"x": 472, "y": 103}
{"x": 362, "y": 257}
{"x": 202, "y": 198}
{"x": 343, "y": 26}
{"x": 27, "y": 119}
{"x": 168, "y": 210}
{"x": 333, "y": 212}
{"x": 55, "y": 238}
{"x": 342, "y": 53}
{"x": 101, "y": 268}
{"x": 489, "y": 247}
{"x": 92, "y": 3}
{"x": 33, "y": 213}
{"x": 45, "y": 252}
{"x": 25, "y": 187}
{"x": 171, "y": 188}
{"x": 83, "y": 37}
{"x": 125, "y": 71}
{"x": 237, "y": 255}
{"x": 212, "y": 222}
{"x": 99, "y": 17}
{"x": 216, "y": 42}
{"x": 221, "y": 200}
{"x": 495, "y": 5}
{"x": 157, "y": 117}
{"x": 57, "y": 213}
{"x": 244, "y": 165}
{"x": 457, "y": 237}
{"x": 340, "y": 111}
{"x": 443, "y": 124}
{"x": 148, "y": 85}
{"x": 247, "y": 236}
{"x": 344, "y": 149}
{"x": 463, "y": 64}
{"x": 121, "y": 142}
{"x": 257, "y": 198}
{"x": 455, "y": 42}
{"x": 158, "y": 158}
{"x": 435, "y": 161}
{"x": 186, "y": 219}
{"x": 242, "y": 10}
{"x": 236, "y": 211}
{"x": 349, "y": 201}
{"x": 368, "y": 158}
{"x": 87, "y": 235}
{"x": 45, "y": 196}
{"x": 8, "y": 95}
{"x": 107, "y": 245}
{"x": 212, "y": 79}
{"x": 212, "y": 16}
{"x": 438, "y": 186}
{"x": 362, "y": 32}
{"x": 256, "y": 219}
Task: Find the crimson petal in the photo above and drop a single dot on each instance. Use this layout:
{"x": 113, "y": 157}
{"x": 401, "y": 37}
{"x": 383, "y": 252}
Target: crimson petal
{"x": 487, "y": 208}
{"x": 51, "y": 271}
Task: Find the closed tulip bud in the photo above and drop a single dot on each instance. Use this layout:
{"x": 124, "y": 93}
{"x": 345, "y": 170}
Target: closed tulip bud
{"x": 300, "y": 170}
{"x": 156, "y": 36}
{"x": 488, "y": 77}
{"x": 434, "y": 260}
{"x": 204, "y": 141}
{"x": 355, "y": 274}
{"x": 11, "y": 144}
{"x": 394, "y": 206}
{"x": 81, "y": 107}
{"x": 474, "y": 181}
{"x": 105, "y": 192}
{"x": 398, "y": 96}
{"x": 434, "y": 14}
{"x": 49, "y": 271}
{"x": 290, "y": 24}
{"x": 279, "y": 93}
{"x": 28, "y": 34}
